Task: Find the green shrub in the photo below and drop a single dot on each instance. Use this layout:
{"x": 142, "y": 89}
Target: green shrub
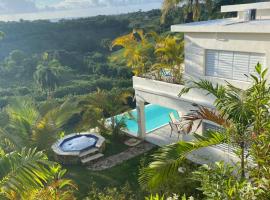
{"x": 23, "y": 91}
{"x": 110, "y": 193}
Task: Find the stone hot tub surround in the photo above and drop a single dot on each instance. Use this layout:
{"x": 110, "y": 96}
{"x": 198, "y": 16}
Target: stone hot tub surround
{"x": 79, "y": 148}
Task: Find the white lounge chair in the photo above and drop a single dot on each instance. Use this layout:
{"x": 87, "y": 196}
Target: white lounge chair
{"x": 173, "y": 119}
{"x": 180, "y": 128}
{"x": 180, "y": 114}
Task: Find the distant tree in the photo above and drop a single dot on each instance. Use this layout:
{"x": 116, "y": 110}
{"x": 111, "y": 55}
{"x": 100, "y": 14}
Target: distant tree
{"x": 48, "y": 74}
{"x": 93, "y": 61}
{"x": 14, "y": 65}
{"x": 106, "y": 43}
{"x": 192, "y": 8}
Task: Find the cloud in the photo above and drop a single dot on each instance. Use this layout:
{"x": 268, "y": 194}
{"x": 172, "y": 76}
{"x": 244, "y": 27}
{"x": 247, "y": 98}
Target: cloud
{"x": 74, "y": 4}
{"x": 17, "y": 6}
{"x": 10, "y": 7}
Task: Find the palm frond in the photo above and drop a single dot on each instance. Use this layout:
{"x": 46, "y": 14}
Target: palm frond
{"x": 20, "y": 171}
{"x": 167, "y": 6}
{"x": 168, "y": 159}
{"x": 216, "y": 90}
{"x": 204, "y": 113}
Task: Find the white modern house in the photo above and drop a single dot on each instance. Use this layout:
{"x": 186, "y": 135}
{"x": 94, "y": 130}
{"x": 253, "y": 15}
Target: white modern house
{"x": 217, "y": 50}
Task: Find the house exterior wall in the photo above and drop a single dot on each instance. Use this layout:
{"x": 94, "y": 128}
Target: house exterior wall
{"x": 196, "y": 45}
{"x": 263, "y": 14}
{"x": 260, "y": 14}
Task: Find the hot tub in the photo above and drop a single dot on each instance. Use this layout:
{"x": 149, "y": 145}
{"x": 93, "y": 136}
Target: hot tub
{"x": 78, "y": 143}
{"x": 72, "y": 148}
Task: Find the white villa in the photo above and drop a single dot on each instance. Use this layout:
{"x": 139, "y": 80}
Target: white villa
{"x": 217, "y": 50}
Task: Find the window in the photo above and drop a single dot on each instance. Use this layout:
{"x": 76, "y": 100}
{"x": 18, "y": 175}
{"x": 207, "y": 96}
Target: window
{"x": 210, "y": 126}
{"x": 253, "y": 14}
{"x": 232, "y": 64}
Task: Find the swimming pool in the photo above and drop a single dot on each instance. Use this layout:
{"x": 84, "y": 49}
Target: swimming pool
{"x": 155, "y": 116}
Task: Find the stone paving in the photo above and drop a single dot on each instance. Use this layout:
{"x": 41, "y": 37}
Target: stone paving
{"x": 111, "y": 161}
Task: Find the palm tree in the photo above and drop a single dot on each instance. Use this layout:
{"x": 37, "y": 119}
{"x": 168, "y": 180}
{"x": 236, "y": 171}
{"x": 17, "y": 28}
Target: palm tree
{"x": 23, "y": 170}
{"x": 29, "y": 173}
{"x": 136, "y": 53}
{"x": 57, "y": 187}
{"x": 106, "y": 104}
{"x": 169, "y": 52}
{"x": 48, "y": 73}
{"x": 29, "y": 125}
{"x": 193, "y": 8}
{"x": 241, "y": 113}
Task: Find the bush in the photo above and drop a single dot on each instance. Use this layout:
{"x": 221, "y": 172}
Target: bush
{"x": 80, "y": 87}
{"x": 3, "y": 102}
{"x": 23, "y": 91}
{"x": 7, "y": 92}
{"x": 110, "y": 193}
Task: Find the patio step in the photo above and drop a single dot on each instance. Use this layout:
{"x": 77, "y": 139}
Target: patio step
{"x": 88, "y": 152}
{"x": 90, "y": 159}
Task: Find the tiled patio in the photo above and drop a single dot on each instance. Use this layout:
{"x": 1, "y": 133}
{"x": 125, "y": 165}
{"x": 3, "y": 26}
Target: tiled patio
{"x": 161, "y": 137}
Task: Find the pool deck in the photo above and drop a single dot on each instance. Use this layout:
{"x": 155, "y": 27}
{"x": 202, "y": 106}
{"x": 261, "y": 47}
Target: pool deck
{"x": 161, "y": 137}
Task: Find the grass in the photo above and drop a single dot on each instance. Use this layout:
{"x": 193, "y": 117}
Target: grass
{"x": 114, "y": 177}
{"x": 128, "y": 172}
{"x": 115, "y": 145}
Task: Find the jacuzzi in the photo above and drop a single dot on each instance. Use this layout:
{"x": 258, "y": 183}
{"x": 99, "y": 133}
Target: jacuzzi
{"x": 78, "y": 143}
{"x": 72, "y": 148}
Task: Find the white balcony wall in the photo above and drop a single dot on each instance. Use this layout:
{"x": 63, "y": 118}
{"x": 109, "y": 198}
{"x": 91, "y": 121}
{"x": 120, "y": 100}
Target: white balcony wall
{"x": 166, "y": 94}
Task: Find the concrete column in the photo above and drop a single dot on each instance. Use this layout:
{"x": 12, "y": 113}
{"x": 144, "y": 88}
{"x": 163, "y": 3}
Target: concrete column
{"x": 141, "y": 119}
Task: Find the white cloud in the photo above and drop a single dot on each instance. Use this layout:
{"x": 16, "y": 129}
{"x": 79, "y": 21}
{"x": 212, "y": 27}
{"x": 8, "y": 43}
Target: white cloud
{"x": 14, "y": 10}
{"x": 17, "y": 6}
{"x": 74, "y": 4}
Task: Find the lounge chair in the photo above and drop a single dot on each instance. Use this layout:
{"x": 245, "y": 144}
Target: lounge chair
{"x": 180, "y": 114}
{"x": 173, "y": 119}
{"x": 180, "y": 128}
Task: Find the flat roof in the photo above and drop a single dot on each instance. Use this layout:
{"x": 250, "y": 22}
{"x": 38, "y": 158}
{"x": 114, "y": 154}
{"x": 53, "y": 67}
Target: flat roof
{"x": 229, "y": 25}
{"x": 247, "y": 6}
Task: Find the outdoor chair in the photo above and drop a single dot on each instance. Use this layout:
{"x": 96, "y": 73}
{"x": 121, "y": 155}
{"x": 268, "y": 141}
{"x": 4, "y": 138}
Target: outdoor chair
{"x": 180, "y": 128}
{"x": 174, "y": 128}
{"x": 180, "y": 114}
{"x": 166, "y": 75}
{"x": 173, "y": 119}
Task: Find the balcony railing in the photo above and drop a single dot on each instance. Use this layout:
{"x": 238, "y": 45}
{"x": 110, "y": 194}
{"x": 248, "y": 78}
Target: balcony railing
{"x": 171, "y": 90}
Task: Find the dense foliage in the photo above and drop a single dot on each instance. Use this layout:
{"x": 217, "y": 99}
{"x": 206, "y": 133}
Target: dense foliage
{"x": 60, "y": 77}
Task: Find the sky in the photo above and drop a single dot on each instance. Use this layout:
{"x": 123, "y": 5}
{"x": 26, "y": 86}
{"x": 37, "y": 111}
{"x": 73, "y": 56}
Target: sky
{"x": 14, "y": 10}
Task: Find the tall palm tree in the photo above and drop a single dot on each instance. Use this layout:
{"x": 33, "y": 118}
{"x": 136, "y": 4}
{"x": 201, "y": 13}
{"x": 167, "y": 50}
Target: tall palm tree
{"x": 193, "y": 8}
{"x": 136, "y": 53}
{"x": 169, "y": 51}
{"x": 29, "y": 125}
{"x": 48, "y": 73}
{"x": 241, "y": 113}
{"x": 106, "y": 104}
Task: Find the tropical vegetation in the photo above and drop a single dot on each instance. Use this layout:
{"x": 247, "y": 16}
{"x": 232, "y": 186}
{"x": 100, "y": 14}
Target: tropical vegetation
{"x": 67, "y": 76}
{"x": 151, "y": 54}
{"x": 243, "y": 117}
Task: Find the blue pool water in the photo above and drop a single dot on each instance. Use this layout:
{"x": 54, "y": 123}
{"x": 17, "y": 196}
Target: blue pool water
{"x": 155, "y": 116}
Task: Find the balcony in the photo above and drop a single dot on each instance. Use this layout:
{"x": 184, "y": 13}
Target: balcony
{"x": 166, "y": 94}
